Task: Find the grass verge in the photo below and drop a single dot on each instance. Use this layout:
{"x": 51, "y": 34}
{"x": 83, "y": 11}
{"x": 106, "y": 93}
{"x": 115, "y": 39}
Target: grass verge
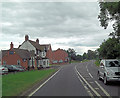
{"x": 97, "y": 62}
{"x": 14, "y": 84}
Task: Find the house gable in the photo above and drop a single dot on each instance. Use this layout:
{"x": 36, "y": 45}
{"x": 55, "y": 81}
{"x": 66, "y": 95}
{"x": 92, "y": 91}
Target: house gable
{"x": 27, "y": 46}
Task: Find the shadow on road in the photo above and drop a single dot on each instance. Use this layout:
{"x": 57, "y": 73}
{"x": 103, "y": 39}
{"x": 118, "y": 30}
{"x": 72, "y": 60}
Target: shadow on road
{"x": 115, "y": 83}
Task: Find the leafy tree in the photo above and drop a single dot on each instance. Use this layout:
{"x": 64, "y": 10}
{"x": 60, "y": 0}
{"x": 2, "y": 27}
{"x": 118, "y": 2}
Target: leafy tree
{"x": 110, "y": 49}
{"x": 110, "y": 11}
{"x": 78, "y": 57}
{"x": 71, "y": 54}
{"x": 85, "y": 55}
{"x": 91, "y": 55}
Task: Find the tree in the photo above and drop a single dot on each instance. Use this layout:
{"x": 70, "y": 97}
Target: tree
{"x": 91, "y": 55}
{"x": 78, "y": 58}
{"x": 85, "y": 55}
{"x": 110, "y": 11}
{"x": 71, "y": 54}
{"x": 110, "y": 49}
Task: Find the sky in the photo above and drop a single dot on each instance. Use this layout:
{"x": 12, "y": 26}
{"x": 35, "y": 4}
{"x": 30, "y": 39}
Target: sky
{"x": 62, "y": 24}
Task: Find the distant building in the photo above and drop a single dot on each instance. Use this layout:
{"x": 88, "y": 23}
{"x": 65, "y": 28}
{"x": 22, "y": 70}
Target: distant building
{"x": 60, "y": 56}
{"x": 49, "y": 53}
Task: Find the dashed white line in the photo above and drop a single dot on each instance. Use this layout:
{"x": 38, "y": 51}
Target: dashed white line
{"x": 102, "y": 89}
{"x": 85, "y": 86}
{"x": 90, "y": 75}
{"x": 88, "y": 83}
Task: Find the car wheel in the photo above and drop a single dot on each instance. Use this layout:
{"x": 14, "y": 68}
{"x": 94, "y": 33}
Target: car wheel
{"x": 105, "y": 80}
{"x": 98, "y": 76}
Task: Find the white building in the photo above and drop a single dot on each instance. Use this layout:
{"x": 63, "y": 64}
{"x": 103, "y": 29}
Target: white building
{"x": 40, "y": 52}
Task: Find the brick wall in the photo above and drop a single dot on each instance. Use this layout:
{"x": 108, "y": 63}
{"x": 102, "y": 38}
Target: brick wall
{"x": 60, "y": 56}
{"x": 11, "y": 59}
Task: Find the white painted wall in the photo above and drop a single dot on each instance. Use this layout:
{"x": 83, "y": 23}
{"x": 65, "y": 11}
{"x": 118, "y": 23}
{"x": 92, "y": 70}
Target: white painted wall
{"x": 27, "y": 45}
{"x": 46, "y": 63}
{"x": 43, "y": 54}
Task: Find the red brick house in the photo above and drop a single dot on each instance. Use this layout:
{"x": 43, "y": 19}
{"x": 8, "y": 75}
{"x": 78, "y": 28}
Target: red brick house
{"x": 31, "y": 53}
{"x": 15, "y": 56}
{"x": 60, "y": 56}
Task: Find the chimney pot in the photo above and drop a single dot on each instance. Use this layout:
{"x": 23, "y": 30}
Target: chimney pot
{"x": 11, "y": 45}
{"x": 37, "y": 40}
{"x": 26, "y": 37}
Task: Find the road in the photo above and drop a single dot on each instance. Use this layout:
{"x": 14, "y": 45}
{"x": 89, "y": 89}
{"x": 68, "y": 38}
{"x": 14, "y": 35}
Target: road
{"x": 77, "y": 79}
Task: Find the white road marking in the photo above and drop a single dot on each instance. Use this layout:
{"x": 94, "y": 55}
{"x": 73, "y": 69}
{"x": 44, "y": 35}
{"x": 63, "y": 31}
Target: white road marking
{"x": 90, "y": 75}
{"x": 88, "y": 83}
{"x": 43, "y": 83}
{"x": 87, "y": 69}
{"x": 96, "y": 88}
{"x": 91, "y": 82}
{"x": 85, "y": 86}
{"x": 102, "y": 89}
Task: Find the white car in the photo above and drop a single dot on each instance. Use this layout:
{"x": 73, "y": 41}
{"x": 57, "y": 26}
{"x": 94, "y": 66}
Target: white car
{"x": 109, "y": 70}
{"x": 3, "y": 70}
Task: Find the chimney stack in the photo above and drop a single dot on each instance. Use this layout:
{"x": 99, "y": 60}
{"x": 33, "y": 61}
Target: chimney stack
{"x": 37, "y": 40}
{"x": 26, "y": 37}
{"x": 11, "y": 45}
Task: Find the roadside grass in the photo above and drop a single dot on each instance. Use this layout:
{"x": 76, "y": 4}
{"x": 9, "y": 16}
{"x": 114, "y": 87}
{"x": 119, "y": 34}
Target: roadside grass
{"x": 85, "y": 60}
{"x": 14, "y": 84}
{"x": 97, "y": 62}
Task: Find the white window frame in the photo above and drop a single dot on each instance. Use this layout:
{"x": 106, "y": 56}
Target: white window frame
{"x": 18, "y": 62}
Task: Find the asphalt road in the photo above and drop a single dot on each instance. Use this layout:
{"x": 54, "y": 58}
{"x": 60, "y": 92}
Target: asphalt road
{"x": 78, "y": 79}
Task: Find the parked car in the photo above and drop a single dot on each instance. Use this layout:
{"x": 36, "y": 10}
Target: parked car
{"x": 11, "y": 68}
{"x": 3, "y": 70}
{"x": 20, "y": 68}
{"x": 109, "y": 70}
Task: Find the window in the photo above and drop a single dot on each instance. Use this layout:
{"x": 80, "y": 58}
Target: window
{"x": 43, "y": 53}
{"x": 47, "y": 62}
{"x": 11, "y": 52}
{"x": 4, "y": 62}
{"x": 24, "y": 60}
{"x": 44, "y": 63}
{"x": 60, "y": 61}
{"x": 55, "y": 61}
{"x": 0, "y": 62}
{"x": 18, "y": 62}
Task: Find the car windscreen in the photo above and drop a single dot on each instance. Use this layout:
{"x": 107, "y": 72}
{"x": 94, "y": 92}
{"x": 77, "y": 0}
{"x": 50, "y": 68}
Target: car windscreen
{"x": 113, "y": 63}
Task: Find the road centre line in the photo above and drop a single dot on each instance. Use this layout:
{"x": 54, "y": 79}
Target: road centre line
{"x": 85, "y": 87}
{"x": 102, "y": 89}
{"x": 87, "y": 68}
{"x": 43, "y": 83}
{"x": 89, "y": 72}
{"x": 90, "y": 75}
{"x": 88, "y": 84}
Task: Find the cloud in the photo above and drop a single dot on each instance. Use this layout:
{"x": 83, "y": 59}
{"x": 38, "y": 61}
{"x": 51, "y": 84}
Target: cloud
{"x": 63, "y": 24}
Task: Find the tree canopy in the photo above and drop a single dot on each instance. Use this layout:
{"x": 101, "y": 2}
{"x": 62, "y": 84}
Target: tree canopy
{"x": 110, "y": 11}
{"x": 110, "y": 49}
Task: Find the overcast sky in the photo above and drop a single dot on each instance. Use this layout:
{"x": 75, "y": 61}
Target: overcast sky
{"x": 61, "y": 24}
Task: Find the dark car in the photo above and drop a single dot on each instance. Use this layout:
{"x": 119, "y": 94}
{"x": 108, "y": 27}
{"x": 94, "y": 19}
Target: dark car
{"x": 11, "y": 68}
